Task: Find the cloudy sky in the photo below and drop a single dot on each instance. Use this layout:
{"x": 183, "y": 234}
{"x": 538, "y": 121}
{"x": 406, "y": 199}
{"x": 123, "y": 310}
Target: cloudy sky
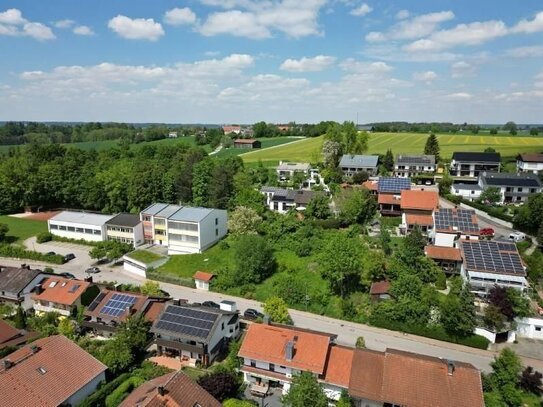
{"x": 241, "y": 61}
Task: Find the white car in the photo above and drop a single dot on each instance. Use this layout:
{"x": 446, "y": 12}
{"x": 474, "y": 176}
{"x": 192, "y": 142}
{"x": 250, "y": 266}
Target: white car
{"x": 517, "y": 237}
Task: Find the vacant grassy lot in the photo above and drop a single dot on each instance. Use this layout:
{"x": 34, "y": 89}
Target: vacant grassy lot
{"x": 21, "y": 229}
{"x": 309, "y": 149}
{"x": 145, "y": 256}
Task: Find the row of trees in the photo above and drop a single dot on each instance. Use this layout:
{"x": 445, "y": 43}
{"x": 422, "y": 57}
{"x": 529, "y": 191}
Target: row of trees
{"x": 405, "y": 127}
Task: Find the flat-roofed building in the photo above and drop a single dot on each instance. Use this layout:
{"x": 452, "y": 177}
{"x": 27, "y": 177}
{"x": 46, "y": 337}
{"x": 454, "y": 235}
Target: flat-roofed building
{"x": 125, "y": 228}
{"x": 79, "y": 225}
{"x": 286, "y": 170}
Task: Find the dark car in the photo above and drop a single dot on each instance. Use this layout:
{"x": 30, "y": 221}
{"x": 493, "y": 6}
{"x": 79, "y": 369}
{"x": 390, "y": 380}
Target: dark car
{"x": 50, "y": 253}
{"x": 92, "y": 270}
{"x": 68, "y": 257}
{"x": 251, "y": 313}
{"x": 67, "y": 275}
{"x": 210, "y": 304}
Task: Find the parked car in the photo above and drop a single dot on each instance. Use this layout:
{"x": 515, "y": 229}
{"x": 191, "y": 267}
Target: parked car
{"x": 210, "y": 304}
{"x": 92, "y": 270}
{"x": 50, "y": 253}
{"x": 487, "y": 232}
{"x": 67, "y": 275}
{"x": 68, "y": 257}
{"x": 517, "y": 237}
{"x": 251, "y": 313}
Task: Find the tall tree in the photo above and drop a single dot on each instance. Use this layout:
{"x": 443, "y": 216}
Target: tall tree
{"x": 318, "y": 207}
{"x": 243, "y": 221}
{"x": 305, "y": 391}
{"x": 254, "y": 260}
{"x": 432, "y": 146}
{"x": 221, "y": 385}
{"x": 356, "y": 205}
{"x": 458, "y": 311}
{"x": 388, "y": 160}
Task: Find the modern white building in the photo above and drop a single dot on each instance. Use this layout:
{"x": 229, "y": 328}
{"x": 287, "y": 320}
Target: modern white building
{"x": 413, "y": 165}
{"x": 514, "y": 188}
{"x": 530, "y": 163}
{"x": 470, "y": 164}
{"x": 79, "y": 225}
{"x": 125, "y": 228}
{"x": 530, "y": 328}
{"x": 467, "y": 191}
{"x": 286, "y": 170}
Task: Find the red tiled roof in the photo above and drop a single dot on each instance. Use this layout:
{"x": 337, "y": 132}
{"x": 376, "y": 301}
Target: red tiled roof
{"x": 389, "y": 199}
{"x": 153, "y": 311}
{"x": 65, "y": 369}
{"x": 202, "y": 275}
{"x": 268, "y": 342}
{"x": 443, "y": 253}
{"x": 371, "y": 185}
{"x": 421, "y": 220}
{"x": 179, "y": 391}
{"x": 367, "y": 374}
{"x": 422, "y": 200}
{"x": 61, "y": 290}
{"x": 379, "y": 287}
{"x": 7, "y": 332}
{"x": 338, "y": 366}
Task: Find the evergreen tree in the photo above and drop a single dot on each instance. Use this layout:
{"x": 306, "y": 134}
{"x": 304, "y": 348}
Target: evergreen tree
{"x": 388, "y": 160}
{"x": 432, "y": 146}
{"x": 20, "y": 318}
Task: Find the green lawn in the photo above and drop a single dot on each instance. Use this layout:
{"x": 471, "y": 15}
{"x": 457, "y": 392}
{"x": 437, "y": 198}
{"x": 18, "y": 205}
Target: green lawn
{"x": 21, "y": 229}
{"x": 145, "y": 256}
{"x": 266, "y": 143}
{"x": 309, "y": 149}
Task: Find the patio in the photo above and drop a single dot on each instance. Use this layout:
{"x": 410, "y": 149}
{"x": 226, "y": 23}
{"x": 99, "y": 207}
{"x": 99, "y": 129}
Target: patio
{"x": 272, "y": 399}
{"x": 172, "y": 363}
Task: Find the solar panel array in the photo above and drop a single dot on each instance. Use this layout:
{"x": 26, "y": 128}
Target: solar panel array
{"x": 393, "y": 184}
{"x": 415, "y": 159}
{"x": 187, "y": 321}
{"x": 96, "y": 301}
{"x": 492, "y": 256}
{"x": 117, "y": 304}
{"x": 458, "y": 220}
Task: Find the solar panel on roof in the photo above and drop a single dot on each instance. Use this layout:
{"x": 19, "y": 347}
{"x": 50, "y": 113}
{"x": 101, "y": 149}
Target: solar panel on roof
{"x": 491, "y": 256}
{"x": 393, "y": 184}
{"x": 117, "y": 304}
{"x": 187, "y": 321}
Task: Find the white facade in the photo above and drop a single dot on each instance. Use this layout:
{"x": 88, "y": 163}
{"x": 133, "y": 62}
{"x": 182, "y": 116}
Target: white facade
{"x": 194, "y": 237}
{"x": 85, "y": 391}
{"x": 126, "y": 234}
{"x": 533, "y": 167}
{"x": 79, "y": 226}
{"x": 530, "y": 328}
{"x": 140, "y": 268}
{"x": 468, "y": 192}
{"x": 481, "y": 282}
{"x": 202, "y": 285}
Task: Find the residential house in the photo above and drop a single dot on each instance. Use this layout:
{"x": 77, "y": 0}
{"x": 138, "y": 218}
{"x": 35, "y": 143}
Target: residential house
{"x": 79, "y": 225}
{"x": 487, "y": 263}
{"x": 372, "y": 186}
{"x": 286, "y": 170}
{"x": 470, "y": 165}
{"x": 452, "y": 224}
{"x": 530, "y": 328}
{"x": 514, "y": 188}
{"x": 379, "y": 290}
{"x": 172, "y": 134}
{"x": 173, "y": 389}
{"x": 62, "y": 295}
{"x": 247, "y": 143}
{"x": 202, "y": 280}
{"x": 448, "y": 258}
{"x": 49, "y": 372}
{"x": 282, "y": 200}
{"x": 467, "y": 191}
{"x": 231, "y": 129}
{"x": 183, "y": 229}
{"x": 125, "y": 228}
{"x": 389, "y": 190}
{"x": 12, "y": 337}
{"x": 17, "y": 284}
{"x": 110, "y": 308}
{"x": 194, "y": 334}
{"x": 418, "y": 208}
{"x": 530, "y": 162}
{"x": 351, "y": 164}
{"x": 407, "y": 166}
{"x": 283, "y": 128}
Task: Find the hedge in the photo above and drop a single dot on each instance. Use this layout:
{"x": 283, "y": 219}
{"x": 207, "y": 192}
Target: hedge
{"x": 98, "y": 398}
{"x": 434, "y": 332}
{"x": 7, "y": 250}
{"x": 44, "y": 237}
{"x": 56, "y": 238}
{"x": 124, "y": 389}
{"x": 496, "y": 212}
{"x": 167, "y": 278}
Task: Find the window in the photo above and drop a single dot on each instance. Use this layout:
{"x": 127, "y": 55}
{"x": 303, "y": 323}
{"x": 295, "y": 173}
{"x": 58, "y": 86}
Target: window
{"x": 54, "y": 226}
{"x": 88, "y": 231}
{"x": 216, "y": 221}
{"x": 272, "y": 367}
{"x": 222, "y": 326}
{"x": 519, "y": 189}
{"x": 79, "y": 230}
{"x": 216, "y": 232}
{"x": 61, "y": 227}
{"x": 71, "y": 229}
{"x": 538, "y": 328}
{"x": 472, "y": 192}
{"x": 532, "y": 190}
{"x": 253, "y": 363}
{"x": 97, "y": 232}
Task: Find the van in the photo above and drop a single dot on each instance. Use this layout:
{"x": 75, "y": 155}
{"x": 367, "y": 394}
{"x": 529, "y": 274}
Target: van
{"x": 517, "y": 236}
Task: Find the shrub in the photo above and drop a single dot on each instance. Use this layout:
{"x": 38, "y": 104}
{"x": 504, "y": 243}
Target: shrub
{"x": 120, "y": 393}
{"x": 441, "y": 282}
{"x": 17, "y": 252}
{"x": 99, "y": 396}
{"x": 360, "y": 342}
{"x": 44, "y": 237}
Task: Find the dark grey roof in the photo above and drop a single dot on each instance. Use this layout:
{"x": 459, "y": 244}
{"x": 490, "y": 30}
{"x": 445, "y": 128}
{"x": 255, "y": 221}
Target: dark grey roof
{"x": 272, "y": 189}
{"x": 492, "y": 256}
{"x": 477, "y": 157}
{"x": 124, "y": 219}
{"x": 14, "y": 279}
{"x": 471, "y": 187}
{"x": 456, "y": 220}
{"x": 511, "y": 180}
{"x": 359, "y": 161}
{"x": 416, "y": 159}
{"x": 393, "y": 185}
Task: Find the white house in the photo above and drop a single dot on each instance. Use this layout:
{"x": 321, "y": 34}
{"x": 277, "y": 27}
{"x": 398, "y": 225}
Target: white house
{"x": 286, "y": 170}
{"x": 17, "y": 285}
{"x": 412, "y": 165}
{"x": 530, "y": 163}
{"x": 202, "y": 280}
{"x": 530, "y": 328}
{"x": 79, "y": 225}
{"x": 469, "y": 192}
{"x": 471, "y": 164}
{"x": 351, "y": 164}
{"x": 453, "y": 224}
{"x": 514, "y": 188}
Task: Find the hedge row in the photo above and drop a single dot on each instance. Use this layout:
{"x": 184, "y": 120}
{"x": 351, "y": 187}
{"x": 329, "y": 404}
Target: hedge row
{"x": 167, "y": 278}
{"x": 495, "y": 212}
{"x": 434, "y": 332}
{"x": 121, "y": 392}
{"x": 17, "y": 252}
{"x": 98, "y": 398}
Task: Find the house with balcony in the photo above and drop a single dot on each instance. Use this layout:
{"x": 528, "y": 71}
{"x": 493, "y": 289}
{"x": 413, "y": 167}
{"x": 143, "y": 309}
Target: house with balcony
{"x": 466, "y": 190}
{"x": 469, "y": 165}
{"x": 125, "y": 228}
{"x": 454, "y": 224}
{"x": 194, "y": 333}
{"x": 389, "y": 191}
{"x": 62, "y": 295}
{"x": 351, "y": 164}
{"x": 17, "y": 285}
{"x": 418, "y": 208}
{"x": 514, "y": 188}
{"x": 286, "y": 170}
{"x": 487, "y": 263}
{"x": 79, "y": 225}
{"x": 409, "y": 165}
{"x": 530, "y": 162}
{"x": 282, "y": 200}
{"x": 154, "y": 219}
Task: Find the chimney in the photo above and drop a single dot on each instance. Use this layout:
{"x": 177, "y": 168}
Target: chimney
{"x": 38, "y": 289}
{"x": 289, "y": 351}
{"x": 450, "y": 367}
{"x": 161, "y": 390}
{"x": 7, "y": 364}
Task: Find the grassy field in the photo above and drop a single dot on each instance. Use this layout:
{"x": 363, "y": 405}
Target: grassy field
{"x": 21, "y": 229}
{"x": 266, "y": 142}
{"x": 145, "y": 256}
{"x": 309, "y": 149}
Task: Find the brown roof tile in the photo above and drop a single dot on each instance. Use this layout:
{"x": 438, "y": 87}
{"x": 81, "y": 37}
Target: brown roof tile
{"x": 202, "y": 275}
{"x": 367, "y": 374}
{"x": 67, "y": 368}
{"x": 338, "y": 366}
{"x": 61, "y": 290}
{"x": 421, "y": 200}
{"x": 7, "y": 332}
{"x": 389, "y": 199}
{"x": 421, "y": 220}
{"x": 139, "y": 306}
{"x": 531, "y": 157}
{"x": 379, "y": 287}
{"x": 245, "y": 141}
{"x": 371, "y": 185}
{"x": 443, "y": 253}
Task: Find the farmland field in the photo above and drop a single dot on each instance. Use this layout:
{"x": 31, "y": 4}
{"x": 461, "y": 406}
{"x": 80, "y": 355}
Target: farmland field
{"x": 266, "y": 142}
{"x": 309, "y": 149}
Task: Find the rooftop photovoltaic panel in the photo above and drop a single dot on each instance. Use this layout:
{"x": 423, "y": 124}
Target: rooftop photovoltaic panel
{"x": 96, "y": 301}
{"x": 416, "y": 159}
{"x": 393, "y": 184}
{"x": 456, "y": 220}
{"x": 493, "y": 257}
{"x": 187, "y": 321}
{"x": 117, "y": 304}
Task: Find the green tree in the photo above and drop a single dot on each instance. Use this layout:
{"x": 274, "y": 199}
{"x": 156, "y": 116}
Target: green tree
{"x": 360, "y": 342}
{"x": 490, "y": 195}
{"x": 493, "y": 318}
{"x": 277, "y": 309}
{"x": 151, "y": 288}
{"x": 340, "y": 263}
{"x": 331, "y": 151}
{"x": 221, "y": 385}
{"x": 360, "y": 177}
{"x": 344, "y": 400}
{"x": 305, "y": 391}
{"x": 254, "y": 260}
{"x": 534, "y": 131}
{"x": 356, "y": 206}
{"x": 457, "y": 314}
{"x": 412, "y": 247}
{"x": 432, "y": 146}
{"x": 116, "y": 356}
{"x": 318, "y": 207}
{"x": 66, "y": 327}
{"x": 4, "y": 229}
{"x": 509, "y": 126}
{"x": 505, "y": 377}
{"x": 134, "y": 333}
{"x": 494, "y": 131}
{"x": 243, "y": 221}
{"x": 388, "y": 160}
{"x": 20, "y": 318}
{"x": 386, "y": 241}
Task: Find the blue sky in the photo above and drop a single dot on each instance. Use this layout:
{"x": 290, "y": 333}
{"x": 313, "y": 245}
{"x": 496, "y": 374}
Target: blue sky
{"x": 242, "y": 61}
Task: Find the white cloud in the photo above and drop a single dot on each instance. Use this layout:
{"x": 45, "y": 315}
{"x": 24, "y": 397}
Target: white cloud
{"x": 38, "y": 31}
{"x": 12, "y": 23}
{"x": 353, "y": 65}
{"x": 361, "y": 10}
{"x": 416, "y": 27}
{"x": 525, "y": 52}
{"x": 427, "y": 76}
{"x": 64, "y": 23}
{"x": 137, "y": 28}
{"x": 402, "y": 14}
{"x": 180, "y": 16}
{"x": 462, "y": 69}
{"x": 459, "y": 96}
{"x": 529, "y": 26}
{"x": 259, "y": 20}
{"x": 12, "y": 16}
{"x": 315, "y": 64}
{"x": 83, "y": 30}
